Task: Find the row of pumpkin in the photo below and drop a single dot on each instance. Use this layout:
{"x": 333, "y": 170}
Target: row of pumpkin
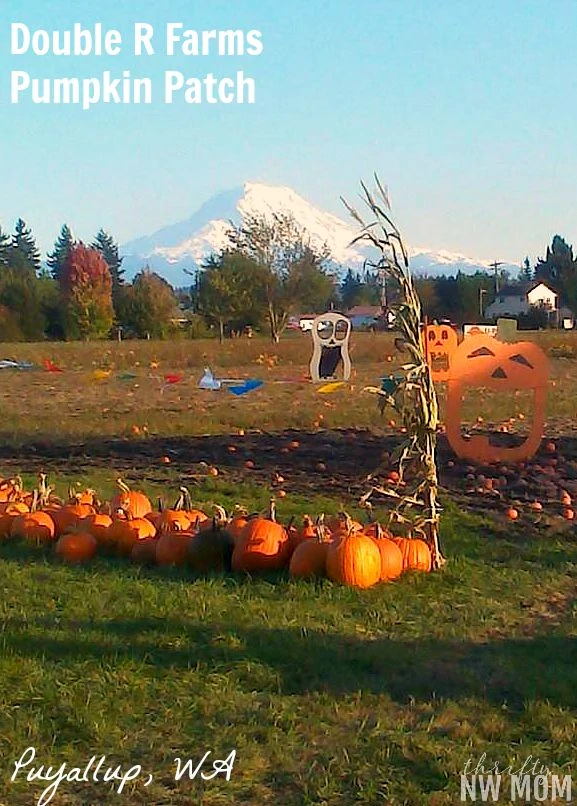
{"x": 340, "y": 548}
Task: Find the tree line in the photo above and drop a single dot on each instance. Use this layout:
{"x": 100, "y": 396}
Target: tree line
{"x": 268, "y": 272}
{"x": 80, "y": 293}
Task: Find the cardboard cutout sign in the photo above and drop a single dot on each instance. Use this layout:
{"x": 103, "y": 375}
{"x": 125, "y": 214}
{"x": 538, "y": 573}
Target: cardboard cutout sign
{"x": 441, "y": 341}
{"x": 482, "y": 361}
{"x": 330, "y": 332}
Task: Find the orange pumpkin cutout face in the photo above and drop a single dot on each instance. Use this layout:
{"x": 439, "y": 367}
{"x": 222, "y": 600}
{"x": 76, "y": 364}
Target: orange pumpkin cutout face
{"x": 482, "y": 361}
{"x": 441, "y": 341}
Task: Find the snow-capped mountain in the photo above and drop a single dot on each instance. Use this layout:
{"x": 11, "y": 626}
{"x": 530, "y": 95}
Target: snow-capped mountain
{"x": 184, "y": 245}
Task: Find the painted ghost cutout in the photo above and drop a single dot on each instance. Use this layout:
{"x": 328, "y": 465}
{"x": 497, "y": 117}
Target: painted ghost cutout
{"x": 330, "y": 334}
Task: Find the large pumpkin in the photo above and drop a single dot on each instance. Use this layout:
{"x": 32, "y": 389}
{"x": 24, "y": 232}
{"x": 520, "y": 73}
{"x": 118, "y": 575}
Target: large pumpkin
{"x": 263, "y": 545}
{"x": 482, "y": 361}
{"x": 355, "y": 560}
{"x": 441, "y": 341}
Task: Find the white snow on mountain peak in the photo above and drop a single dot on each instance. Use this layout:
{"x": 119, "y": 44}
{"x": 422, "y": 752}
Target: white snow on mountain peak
{"x": 184, "y": 245}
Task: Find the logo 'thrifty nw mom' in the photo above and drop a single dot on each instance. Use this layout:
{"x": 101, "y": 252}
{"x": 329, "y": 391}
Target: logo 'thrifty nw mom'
{"x": 531, "y": 783}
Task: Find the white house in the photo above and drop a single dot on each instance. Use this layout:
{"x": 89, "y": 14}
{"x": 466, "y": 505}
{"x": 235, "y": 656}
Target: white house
{"x": 513, "y": 300}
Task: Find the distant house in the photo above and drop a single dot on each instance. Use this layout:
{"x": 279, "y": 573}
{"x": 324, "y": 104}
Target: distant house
{"x": 364, "y": 315}
{"x": 519, "y": 298}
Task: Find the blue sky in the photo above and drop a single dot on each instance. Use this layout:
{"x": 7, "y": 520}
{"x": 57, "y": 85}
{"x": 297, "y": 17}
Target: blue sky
{"x": 466, "y": 109}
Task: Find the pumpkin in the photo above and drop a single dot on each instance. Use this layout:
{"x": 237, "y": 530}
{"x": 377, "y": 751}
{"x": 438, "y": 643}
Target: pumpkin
{"x": 10, "y": 489}
{"x": 126, "y": 531}
{"x": 98, "y": 524}
{"x": 172, "y": 546}
{"x": 342, "y": 525}
{"x": 354, "y": 560}
{"x": 416, "y": 553}
{"x": 237, "y": 522}
{"x": 67, "y": 517}
{"x": 308, "y": 531}
{"x": 36, "y": 526}
{"x": 309, "y": 559}
{"x": 391, "y": 556}
{"x": 76, "y": 547}
{"x": 482, "y": 361}
{"x": 136, "y": 503}
{"x": 9, "y": 512}
{"x": 211, "y": 549}
{"x": 194, "y": 515}
{"x": 440, "y": 342}
{"x": 175, "y": 518}
{"x": 263, "y": 545}
{"x": 144, "y": 551}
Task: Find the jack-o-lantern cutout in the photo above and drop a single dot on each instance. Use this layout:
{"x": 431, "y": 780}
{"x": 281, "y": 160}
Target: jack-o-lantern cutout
{"x": 441, "y": 341}
{"x": 330, "y": 333}
{"x": 483, "y": 361}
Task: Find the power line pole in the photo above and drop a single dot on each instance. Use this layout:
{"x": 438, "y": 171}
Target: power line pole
{"x": 495, "y": 265}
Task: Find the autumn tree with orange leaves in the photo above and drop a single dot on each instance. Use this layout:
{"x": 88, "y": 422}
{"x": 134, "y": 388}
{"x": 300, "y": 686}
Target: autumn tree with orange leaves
{"x": 86, "y": 287}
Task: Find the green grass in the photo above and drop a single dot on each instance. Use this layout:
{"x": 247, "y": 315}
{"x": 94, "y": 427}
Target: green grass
{"x": 329, "y": 695}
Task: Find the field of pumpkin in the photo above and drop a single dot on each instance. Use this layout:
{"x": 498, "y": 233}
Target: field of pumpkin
{"x": 148, "y": 630}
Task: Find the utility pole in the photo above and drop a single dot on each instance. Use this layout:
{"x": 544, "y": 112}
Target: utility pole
{"x": 495, "y": 265}
{"x": 482, "y": 292}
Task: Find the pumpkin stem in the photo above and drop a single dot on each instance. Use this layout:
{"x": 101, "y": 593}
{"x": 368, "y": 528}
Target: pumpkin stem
{"x": 34, "y": 503}
{"x": 124, "y": 487}
{"x": 272, "y": 510}
{"x": 160, "y": 504}
{"x": 220, "y": 516}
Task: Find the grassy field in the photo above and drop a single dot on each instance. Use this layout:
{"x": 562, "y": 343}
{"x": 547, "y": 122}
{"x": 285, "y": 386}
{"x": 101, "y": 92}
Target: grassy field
{"x": 329, "y": 695}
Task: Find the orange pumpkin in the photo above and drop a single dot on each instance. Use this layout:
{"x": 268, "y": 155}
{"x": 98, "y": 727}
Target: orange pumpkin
{"x": 482, "y": 361}
{"x": 354, "y": 560}
{"x": 391, "y": 557}
{"x": 441, "y": 341}
{"x": 67, "y": 517}
{"x": 172, "y": 546}
{"x": 9, "y": 512}
{"x": 76, "y": 547}
{"x": 125, "y": 532}
{"x": 309, "y": 559}
{"x": 136, "y": 503}
{"x": 416, "y": 553}
{"x": 36, "y": 528}
{"x": 98, "y": 524}
{"x": 237, "y": 523}
{"x": 263, "y": 545}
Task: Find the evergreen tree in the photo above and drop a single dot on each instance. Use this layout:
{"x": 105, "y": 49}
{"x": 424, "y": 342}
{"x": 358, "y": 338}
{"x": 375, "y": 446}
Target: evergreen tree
{"x": 4, "y": 248}
{"x": 527, "y": 270}
{"x": 559, "y": 270}
{"x": 57, "y": 259}
{"x": 24, "y": 249}
{"x": 108, "y": 248}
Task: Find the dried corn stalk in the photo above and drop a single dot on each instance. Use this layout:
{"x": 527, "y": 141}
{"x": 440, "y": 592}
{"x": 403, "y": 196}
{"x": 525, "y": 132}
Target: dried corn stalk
{"x": 412, "y": 395}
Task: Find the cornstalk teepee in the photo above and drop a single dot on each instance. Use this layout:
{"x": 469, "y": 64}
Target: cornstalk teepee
{"x": 412, "y": 394}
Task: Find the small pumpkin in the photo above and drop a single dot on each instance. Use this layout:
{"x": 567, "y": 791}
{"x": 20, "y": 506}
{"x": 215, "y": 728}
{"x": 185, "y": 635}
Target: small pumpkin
{"x": 10, "y": 511}
{"x": 263, "y": 545}
{"x": 98, "y": 524}
{"x": 354, "y": 560}
{"x": 76, "y": 547}
{"x": 237, "y": 522}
